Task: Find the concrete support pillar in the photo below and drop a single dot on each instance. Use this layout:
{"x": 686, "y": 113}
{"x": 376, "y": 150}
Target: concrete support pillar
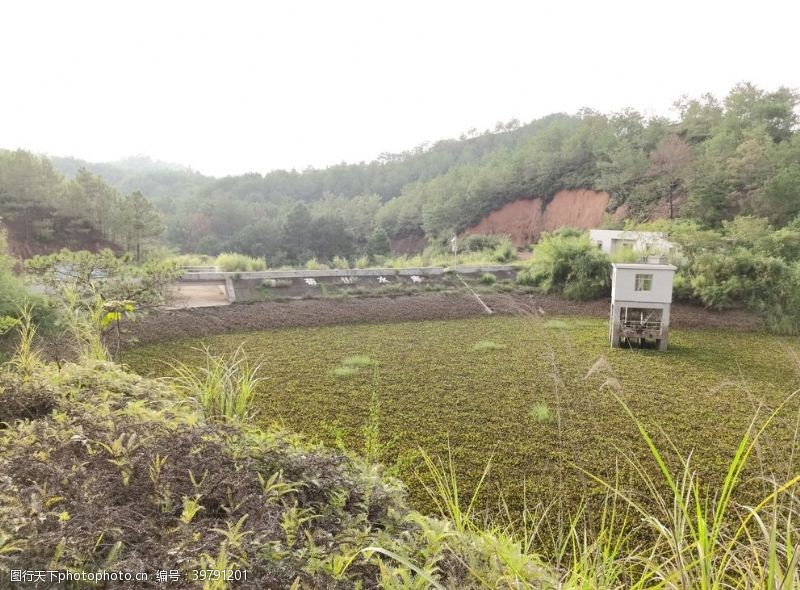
{"x": 663, "y": 342}
{"x": 615, "y": 327}
{"x": 230, "y": 293}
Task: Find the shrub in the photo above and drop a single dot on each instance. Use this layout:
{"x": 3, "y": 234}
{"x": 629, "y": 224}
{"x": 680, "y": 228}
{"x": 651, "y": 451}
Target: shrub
{"x": 488, "y": 278}
{"x": 192, "y": 260}
{"x": 379, "y": 243}
{"x": 568, "y": 264}
{"x": 345, "y": 371}
{"x": 479, "y": 242}
{"x": 505, "y": 252}
{"x": 340, "y": 263}
{"x": 314, "y": 264}
{"x": 232, "y": 262}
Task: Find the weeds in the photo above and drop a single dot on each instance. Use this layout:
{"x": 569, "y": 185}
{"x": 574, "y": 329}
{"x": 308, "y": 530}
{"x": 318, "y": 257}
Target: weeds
{"x": 540, "y": 413}
{"x": 441, "y": 483}
{"x": 488, "y": 279}
{"x": 225, "y": 386}
{"x": 27, "y": 359}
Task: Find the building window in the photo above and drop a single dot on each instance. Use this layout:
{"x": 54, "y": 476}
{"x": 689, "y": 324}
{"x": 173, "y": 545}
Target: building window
{"x": 644, "y": 282}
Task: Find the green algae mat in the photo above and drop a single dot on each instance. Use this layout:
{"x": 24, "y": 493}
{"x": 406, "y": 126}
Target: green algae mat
{"x": 538, "y": 397}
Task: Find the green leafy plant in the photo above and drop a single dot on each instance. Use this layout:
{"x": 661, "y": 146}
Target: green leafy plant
{"x": 441, "y": 483}
{"x": 225, "y": 386}
{"x": 26, "y": 359}
{"x": 540, "y": 413}
{"x": 488, "y": 279}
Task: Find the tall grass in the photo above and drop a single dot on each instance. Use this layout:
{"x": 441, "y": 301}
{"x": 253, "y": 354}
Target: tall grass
{"x": 225, "y": 386}
{"x": 704, "y": 538}
{"x": 26, "y": 358}
{"x": 232, "y": 262}
{"x": 192, "y": 260}
{"x": 443, "y": 488}
{"x": 443, "y": 259}
{"x": 668, "y": 529}
{"x": 83, "y": 320}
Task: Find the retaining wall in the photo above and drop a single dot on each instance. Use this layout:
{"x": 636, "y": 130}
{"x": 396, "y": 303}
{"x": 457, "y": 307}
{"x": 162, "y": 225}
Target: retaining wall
{"x": 277, "y": 284}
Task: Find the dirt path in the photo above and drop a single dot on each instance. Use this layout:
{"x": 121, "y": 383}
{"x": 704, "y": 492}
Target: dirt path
{"x": 206, "y": 321}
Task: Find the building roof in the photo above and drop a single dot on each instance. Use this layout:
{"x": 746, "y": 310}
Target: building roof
{"x": 644, "y": 266}
{"x": 630, "y": 233}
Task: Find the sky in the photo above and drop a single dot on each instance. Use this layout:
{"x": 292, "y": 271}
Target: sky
{"x": 251, "y": 86}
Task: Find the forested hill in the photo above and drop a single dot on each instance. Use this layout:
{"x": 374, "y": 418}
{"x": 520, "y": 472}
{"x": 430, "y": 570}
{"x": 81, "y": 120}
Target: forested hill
{"x": 721, "y": 157}
{"x": 386, "y": 176}
{"x": 160, "y": 181}
{"x": 42, "y": 211}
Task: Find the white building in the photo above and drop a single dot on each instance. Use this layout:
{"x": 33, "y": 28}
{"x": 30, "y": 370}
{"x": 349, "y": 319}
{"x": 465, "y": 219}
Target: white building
{"x": 641, "y": 296}
{"x": 644, "y": 243}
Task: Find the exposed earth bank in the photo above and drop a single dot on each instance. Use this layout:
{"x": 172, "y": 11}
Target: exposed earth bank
{"x": 525, "y": 219}
{"x": 194, "y": 323}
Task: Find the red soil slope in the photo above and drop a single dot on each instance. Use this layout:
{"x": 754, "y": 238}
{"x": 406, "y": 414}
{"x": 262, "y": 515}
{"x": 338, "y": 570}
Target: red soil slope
{"x": 26, "y": 238}
{"x": 408, "y": 244}
{"x": 524, "y": 220}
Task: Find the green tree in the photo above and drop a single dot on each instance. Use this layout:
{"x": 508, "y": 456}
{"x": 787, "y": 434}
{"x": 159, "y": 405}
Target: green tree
{"x": 102, "y": 200}
{"x": 329, "y": 237}
{"x": 96, "y": 291}
{"x": 379, "y": 243}
{"x": 28, "y": 184}
{"x": 141, "y": 222}
{"x": 297, "y": 233}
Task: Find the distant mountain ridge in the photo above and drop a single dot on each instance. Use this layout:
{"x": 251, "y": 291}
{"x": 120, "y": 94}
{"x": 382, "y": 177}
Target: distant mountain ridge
{"x": 739, "y": 155}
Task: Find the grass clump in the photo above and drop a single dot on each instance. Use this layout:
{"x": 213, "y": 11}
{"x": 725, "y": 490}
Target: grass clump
{"x": 232, "y": 262}
{"x": 193, "y": 260}
{"x": 27, "y": 357}
{"x": 345, "y": 371}
{"x": 225, "y": 386}
{"x": 340, "y": 262}
{"x": 358, "y": 362}
{"x": 488, "y": 279}
{"x": 540, "y": 413}
{"x": 487, "y": 345}
{"x": 314, "y": 264}
{"x": 352, "y": 365}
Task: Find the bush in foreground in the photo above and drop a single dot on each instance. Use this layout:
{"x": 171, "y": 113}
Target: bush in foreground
{"x": 107, "y": 470}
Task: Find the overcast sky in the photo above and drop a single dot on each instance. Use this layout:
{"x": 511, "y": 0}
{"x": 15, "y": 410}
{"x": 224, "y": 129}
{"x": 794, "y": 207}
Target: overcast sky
{"x": 228, "y": 87}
